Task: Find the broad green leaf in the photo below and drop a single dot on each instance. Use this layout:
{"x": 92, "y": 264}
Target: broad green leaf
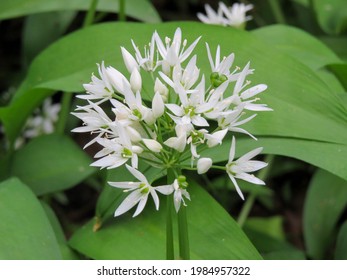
{"x": 272, "y": 248}
{"x": 298, "y": 44}
{"x": 142, "y": 10}
{"x": 213, "y": 233}
{"x": 66, "y": 252}
{"x": 325, "y": 202}
{"x": 331, "y": 15}
{"x": 25, "y": 230}
{"x": 340, "y": 71}
{"x": 337, "y": 44}
{"x": 341, "y": 245}
{"x": 51, "y": 163}
{"x": 40, "y": 30}
{"x": 271, "y": 226}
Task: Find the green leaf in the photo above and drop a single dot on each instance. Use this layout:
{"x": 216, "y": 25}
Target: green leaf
{"x": 51, "y": 163}
{"x": 40, "y": 30}
{"x": 25, "y": 230}
{"x": 331, "y": 15}
{"x": 340, "y": 71}
{"x": 337, "y": 44}
{"x": 142, "y": 10}
{"x": 341, "y": 245}
{"x": 213, "y": 233}
{"x": 298, "y": 44}
{"x": 66, "y": 252}
{"x": 271, "y": 226}
{"x": 325, "y": 202}
{"x": 272, "y": 248}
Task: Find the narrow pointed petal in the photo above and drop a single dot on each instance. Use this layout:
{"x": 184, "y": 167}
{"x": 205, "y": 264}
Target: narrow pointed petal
{"x": 141, "y": 205}
{"x": 236, "y": 186}
{"x": 129, "y": 202}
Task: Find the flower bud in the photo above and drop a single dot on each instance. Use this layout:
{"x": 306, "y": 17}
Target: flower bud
{"x": 153, "y": 145}
{"x": 162, "y": 89}
{"x": 158, "y": 105}
{"x": 129, "y": 60}
{"x": 135, "y": 80}
{"x": 204, "y": 165}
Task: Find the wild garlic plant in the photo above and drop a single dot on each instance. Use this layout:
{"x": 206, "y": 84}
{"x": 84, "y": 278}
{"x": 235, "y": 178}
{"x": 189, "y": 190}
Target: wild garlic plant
{"x": 234, "y": 16}
{"x": 185, "y": 112}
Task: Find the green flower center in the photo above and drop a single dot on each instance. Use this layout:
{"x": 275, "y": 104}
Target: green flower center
{"x": 217, "y": 79}
{"x": 126, "y": 153}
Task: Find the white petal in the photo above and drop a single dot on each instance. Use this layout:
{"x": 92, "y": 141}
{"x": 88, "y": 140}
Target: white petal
{"x": 250, "y": 178}
{"x": 141, "y": 205}
{"x": 232, "y": 150}
{"x": 124, "y": 185}
{"x": 250, "y": 155}
{"x": 165, "y": 189}
{"x": 174, "y": 108}
{"x": 236, "y": 186}
{"x": 137, "y": 174}
{"x": 155, "y": 198}
{"x": 129, "y": 202}
{"x": 253, "y": 91}
{"x": 129, "y": 60}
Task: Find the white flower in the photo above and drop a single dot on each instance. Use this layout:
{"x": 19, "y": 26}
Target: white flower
{"x": 94, "y": 120}
{"x": 241, "y": 96}
{"x": 204, "y": 165}
{"x": 172, "y": 54}
{"x": 184, "y": 77}
{"x": 117, "y": 151}
{"x": 230, "y": 120}
{"x": 240, "y": 168}
{"x": 194, "y": 105}
{"x": 226, "y": 16}
{"x": 148, "y": 62}
{"x": 98, "y": 88}
{"x": 44, "y": 122}
{"x": 236, "y": 14}
{"x": 139, "y": 193}
{"x": 179, "y": 186}
{"x": 212, "y": 17}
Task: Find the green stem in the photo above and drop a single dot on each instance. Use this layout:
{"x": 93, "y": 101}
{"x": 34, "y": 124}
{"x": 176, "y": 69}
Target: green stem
{"x": 247, "y": 207}
{"x": 183, "y": 233}
{"x": 64, "y": 112}
{"x": 121, "y": 12}
{"x": 88, "y": 20}
{"x": 170, "y": 253}
{"x": 277, "y": 11}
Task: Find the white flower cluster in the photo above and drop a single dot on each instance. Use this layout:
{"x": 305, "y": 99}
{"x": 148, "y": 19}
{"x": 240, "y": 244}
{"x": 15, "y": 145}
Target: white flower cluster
{"x": 170, "y": 120}
{"x": 227, "y": 16}
{"x": 42, "y": 122}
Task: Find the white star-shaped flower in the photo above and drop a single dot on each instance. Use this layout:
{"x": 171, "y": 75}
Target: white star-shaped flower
{"x": 240, "y": 168}
{"x": 139, "y": 193}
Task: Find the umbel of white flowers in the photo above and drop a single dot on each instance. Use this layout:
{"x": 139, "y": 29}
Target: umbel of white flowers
{"x": 182, "y": 113}
{"x": 227, "y": 16}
